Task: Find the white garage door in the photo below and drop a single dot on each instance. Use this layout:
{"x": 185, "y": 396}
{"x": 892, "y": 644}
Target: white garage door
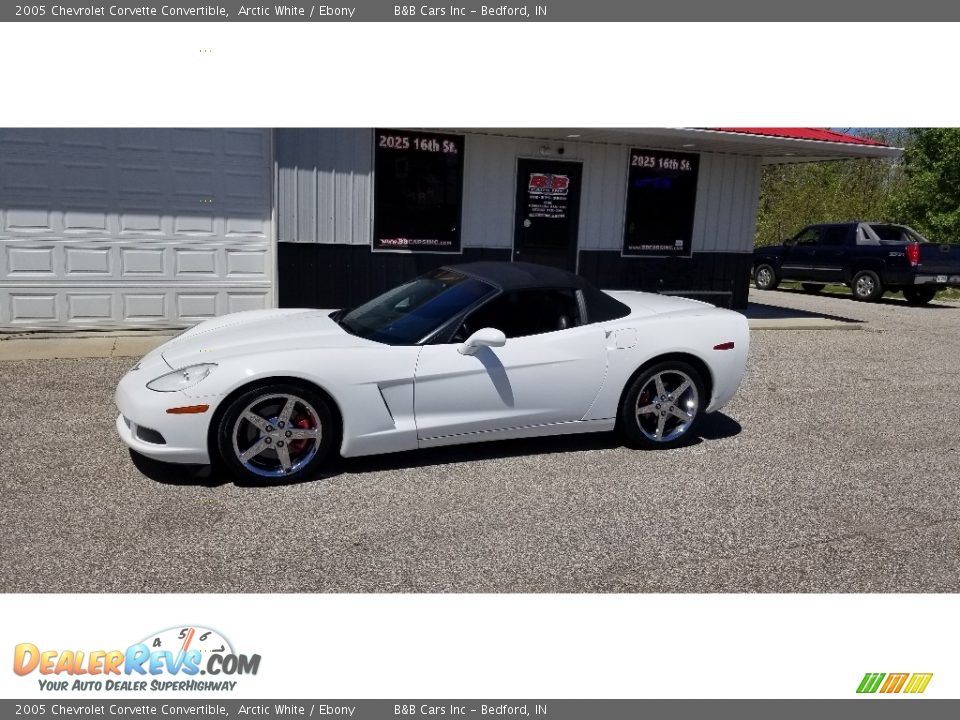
{"x": 133, "y": 228}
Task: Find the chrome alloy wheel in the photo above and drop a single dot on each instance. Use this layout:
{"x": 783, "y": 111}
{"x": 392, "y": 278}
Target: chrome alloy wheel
{"x": 667, "y": 405}
{"x": 277, "y": 435}
{"x": 865, "y": 285}
{"x": 764, "y": 277}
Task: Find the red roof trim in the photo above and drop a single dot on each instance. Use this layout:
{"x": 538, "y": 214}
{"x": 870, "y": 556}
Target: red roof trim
{"x": 816, "y": 134}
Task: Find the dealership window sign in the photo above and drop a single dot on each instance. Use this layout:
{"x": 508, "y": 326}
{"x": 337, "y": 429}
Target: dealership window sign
{"x": 418, "y": 191}
{"x": 661, "y": 198}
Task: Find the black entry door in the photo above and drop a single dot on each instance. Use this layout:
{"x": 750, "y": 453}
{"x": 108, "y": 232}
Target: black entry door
{"x": 547, "y": 212}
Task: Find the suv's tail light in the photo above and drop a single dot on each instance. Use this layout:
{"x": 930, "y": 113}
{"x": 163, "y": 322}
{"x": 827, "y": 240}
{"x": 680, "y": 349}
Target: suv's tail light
{"x": 913, "y": 254}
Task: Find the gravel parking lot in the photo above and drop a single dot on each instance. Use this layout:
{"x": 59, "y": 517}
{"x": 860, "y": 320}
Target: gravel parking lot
{"x": 836, "y": 469}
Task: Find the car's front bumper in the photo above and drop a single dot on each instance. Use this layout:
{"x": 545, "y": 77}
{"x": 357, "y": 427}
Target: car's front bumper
{"x": 146, "y": 427}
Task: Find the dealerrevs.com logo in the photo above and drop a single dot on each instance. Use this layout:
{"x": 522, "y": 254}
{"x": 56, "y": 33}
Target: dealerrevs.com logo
{"x": 178, "y": 658}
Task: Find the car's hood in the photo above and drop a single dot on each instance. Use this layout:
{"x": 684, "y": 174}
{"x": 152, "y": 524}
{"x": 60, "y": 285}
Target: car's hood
{"x": 257, "y": 331}
{"x": 643, "y": 304}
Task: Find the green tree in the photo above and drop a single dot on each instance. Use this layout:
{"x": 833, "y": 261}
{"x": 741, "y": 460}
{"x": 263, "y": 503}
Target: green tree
{"x": 795, "y": 195}
{"x": 930, "y": 198}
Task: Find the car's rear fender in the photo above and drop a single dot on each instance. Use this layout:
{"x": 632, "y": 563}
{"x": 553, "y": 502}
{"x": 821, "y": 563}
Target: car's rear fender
{"x": 694, "y": 334}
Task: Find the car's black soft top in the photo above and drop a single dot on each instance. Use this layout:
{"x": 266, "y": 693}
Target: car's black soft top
{"x": 511, "y": 276}
{"x": 520, "y": 275}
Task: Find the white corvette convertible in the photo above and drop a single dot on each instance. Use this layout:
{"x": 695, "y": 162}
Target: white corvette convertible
{"x": 470, "y": 352}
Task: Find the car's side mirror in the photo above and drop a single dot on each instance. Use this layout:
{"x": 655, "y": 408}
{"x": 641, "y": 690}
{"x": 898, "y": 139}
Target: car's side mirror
{"x": 788, "y": 241}
{"x": 484, "y": 337}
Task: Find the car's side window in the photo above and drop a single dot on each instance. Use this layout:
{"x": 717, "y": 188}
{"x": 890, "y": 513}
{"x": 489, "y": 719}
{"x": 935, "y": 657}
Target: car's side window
{"x": 810, "y": 236}
{"x": 836, "y": 235}
{"x": 524, "y": 312}
{"x": 892, "y": 232}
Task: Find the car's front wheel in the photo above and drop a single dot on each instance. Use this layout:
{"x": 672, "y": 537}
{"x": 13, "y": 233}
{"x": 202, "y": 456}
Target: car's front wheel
{"x": 276, "y": 432}
{"x": 765, "y": 277}
{"x": 663, "y": 405}
{"x": 866, "y": 286}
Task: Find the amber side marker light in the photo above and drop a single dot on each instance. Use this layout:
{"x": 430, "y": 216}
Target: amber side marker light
{"x": 721, "y": 346}
{"x": 188, "y": 410}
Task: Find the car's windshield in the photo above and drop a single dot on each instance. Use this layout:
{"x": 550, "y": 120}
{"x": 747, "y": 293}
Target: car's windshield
{"x": 411, "y": 313}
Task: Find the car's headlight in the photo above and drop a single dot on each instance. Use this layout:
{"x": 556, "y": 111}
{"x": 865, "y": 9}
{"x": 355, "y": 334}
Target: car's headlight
{"x": 181, "y": 379}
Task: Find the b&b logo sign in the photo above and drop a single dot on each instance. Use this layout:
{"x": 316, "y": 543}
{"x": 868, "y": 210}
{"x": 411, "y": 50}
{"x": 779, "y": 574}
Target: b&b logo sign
{"x": 548, "y": 184}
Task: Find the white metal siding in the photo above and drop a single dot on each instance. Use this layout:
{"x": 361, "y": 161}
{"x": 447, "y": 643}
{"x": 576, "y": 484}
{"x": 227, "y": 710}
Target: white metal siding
{"x": 725, "y": 215}
{"x": 133, "y": 227}
{"x": 326, "y": 185}
{"x": 490, "y": 174}
{"x": 728, "y": 191}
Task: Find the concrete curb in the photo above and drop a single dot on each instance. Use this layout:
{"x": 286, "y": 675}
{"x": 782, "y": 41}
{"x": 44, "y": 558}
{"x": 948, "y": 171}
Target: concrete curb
{"x": 798, "y": 323}
{"x": 70, "y": 347}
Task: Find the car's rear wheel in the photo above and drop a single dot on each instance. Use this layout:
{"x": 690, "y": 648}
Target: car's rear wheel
{"x": 765, "y": 277}
{"x": 866, "y": 286}
{"x": 276, "y": 432}
{"x": 919, "y": 295}
{"x": 663, "y": 405}
{"x": 812, "y": 288}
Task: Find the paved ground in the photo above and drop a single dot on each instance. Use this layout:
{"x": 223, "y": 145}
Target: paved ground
{"x": 836, "y": 469}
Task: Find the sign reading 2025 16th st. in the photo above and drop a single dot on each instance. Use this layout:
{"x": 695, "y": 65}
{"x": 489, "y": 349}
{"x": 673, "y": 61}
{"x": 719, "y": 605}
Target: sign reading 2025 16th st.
{"x": 418, "y": 190}
{"x": 661, "y": 199}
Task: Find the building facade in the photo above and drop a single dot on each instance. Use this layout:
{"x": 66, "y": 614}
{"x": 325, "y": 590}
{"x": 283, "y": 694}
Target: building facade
{"x": 141, "y": 228}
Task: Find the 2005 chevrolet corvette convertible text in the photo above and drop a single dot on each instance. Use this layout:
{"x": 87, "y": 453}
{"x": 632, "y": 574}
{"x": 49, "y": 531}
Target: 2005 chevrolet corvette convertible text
{"x": 470, "y": 352}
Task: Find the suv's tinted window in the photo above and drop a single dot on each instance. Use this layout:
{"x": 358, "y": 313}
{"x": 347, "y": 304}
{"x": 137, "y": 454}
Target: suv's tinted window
{"x": 524, "y": 312}
{"x": 897, "y": 233}
{"x": 809, "y": 236}
{"x": 836, "y": 235}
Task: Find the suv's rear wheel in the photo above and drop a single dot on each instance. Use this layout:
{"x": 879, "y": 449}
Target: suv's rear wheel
{"x": 919, "y": 295}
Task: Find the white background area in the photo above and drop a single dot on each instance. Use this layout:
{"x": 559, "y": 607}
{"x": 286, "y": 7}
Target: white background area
{"x": 519, "y": 646}
{"x": 497, "y": 74}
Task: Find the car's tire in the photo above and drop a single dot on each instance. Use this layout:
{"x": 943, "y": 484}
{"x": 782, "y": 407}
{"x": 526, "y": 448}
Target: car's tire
{"x": 919, "y": 295}
{"x": 653, "y": 415}
{"x": 276, "y": 433}
{"x": 765, "y": 277}
{"x": 812, "y": 288}
{"x": 866, "y": 286}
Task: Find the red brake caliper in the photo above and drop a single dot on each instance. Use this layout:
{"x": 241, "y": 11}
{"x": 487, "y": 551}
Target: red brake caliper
{"x": 298, "y": 446}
